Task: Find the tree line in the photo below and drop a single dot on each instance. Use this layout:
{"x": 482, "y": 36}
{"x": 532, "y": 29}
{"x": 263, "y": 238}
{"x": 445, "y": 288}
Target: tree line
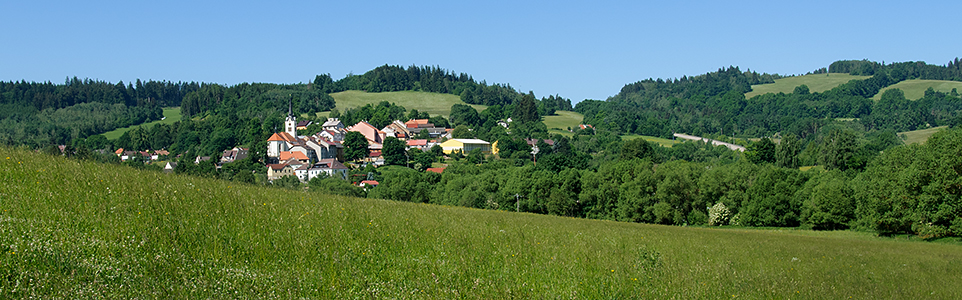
{"x": 714, "y": 103}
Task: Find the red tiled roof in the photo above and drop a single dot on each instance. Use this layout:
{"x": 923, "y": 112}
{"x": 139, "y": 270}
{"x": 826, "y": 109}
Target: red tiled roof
{"x": 370, "y": 182}
{"x": 417, "y": 142}
{"x": 285, "y": 155}
{"x": 435, "y": 170}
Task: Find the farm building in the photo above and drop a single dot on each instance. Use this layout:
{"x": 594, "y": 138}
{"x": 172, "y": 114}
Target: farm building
{"x": 465, "y": 145}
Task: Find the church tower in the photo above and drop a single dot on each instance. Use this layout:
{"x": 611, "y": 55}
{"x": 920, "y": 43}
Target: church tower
{"x": 290, "y": 125}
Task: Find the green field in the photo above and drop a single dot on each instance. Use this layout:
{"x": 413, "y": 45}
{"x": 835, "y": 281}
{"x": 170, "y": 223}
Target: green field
{"x": 915, "y": 89}
{"x": 919, "y": 136}
{"x": 171, "y": 115}
{"x": 660, "y": 141}
{"x": 815, "y": 83}
{"x": 561, "y": 121}
{"x": 433, "y": 103}
{"x": 72, "y": 230}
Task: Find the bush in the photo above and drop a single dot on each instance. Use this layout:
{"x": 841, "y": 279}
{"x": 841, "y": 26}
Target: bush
{"x": 718, "y": 215}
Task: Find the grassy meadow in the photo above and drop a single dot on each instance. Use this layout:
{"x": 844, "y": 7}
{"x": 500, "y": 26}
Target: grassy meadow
{"x": 915, "y": 89}
{"x": 171, "y": 115}
{"x": 561, "y": 121}
{"x": 815, "y": 83}
{"x": 433, "y": 103}
{"x": 73, "y": 229}
{"x": 919, "y": 136}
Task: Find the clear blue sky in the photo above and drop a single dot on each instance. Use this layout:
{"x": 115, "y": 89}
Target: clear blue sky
{"x": 576, "y": 49}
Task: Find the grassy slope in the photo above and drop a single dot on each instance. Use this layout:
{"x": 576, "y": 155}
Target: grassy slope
{"x": 172, "y": 114}
{"x": 815, "y": 83}
{"x": 915, "y": 89}
{"x": 561, "y": 121}
{"x": 78, "y": 230}
{"x": 921, "y": 135}
{"x": 433, "y": 103}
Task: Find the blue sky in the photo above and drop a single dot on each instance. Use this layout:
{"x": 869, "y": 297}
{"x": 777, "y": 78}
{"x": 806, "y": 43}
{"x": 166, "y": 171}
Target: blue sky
{"x": 576, "y": 49}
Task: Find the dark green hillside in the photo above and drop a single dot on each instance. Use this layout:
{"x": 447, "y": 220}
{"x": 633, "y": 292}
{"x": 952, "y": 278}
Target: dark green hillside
{"x": 72, "y": 229}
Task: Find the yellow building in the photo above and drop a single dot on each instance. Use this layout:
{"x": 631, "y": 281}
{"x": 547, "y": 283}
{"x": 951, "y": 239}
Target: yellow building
{"x": 465, "y": 146}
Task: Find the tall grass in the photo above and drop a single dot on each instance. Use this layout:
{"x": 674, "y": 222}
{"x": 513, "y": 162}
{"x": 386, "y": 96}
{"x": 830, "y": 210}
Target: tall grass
{"x": 72, "y": 229}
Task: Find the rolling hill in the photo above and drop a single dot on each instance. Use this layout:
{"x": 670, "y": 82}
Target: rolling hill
{"x": 815, "y": 83}
{"x": 76, "y": 229}
{"x": 914, "y": 89}
{"x": 171, "y": 115}
{"x": 433, "y": 103}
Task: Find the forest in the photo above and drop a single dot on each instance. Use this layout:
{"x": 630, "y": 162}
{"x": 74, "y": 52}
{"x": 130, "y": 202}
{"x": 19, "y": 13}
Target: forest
{"x": 850, "y": 139}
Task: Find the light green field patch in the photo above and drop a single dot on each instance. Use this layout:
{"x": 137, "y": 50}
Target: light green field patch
{"x": 563, "y": 120}
{"x": 919, "y": 136}
{"x": 660, "y": 141}
{"x": 432, "y": 103}
{"x": 815, "y": 83}
{"x": 914, "y": 89}
{"x": 78, "y": 229}
{"x": 171, "y": 115}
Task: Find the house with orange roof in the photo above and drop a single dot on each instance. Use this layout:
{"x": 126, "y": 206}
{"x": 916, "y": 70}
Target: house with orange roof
{"x": 373, "y": 135}
{"x": 296, "y": 155}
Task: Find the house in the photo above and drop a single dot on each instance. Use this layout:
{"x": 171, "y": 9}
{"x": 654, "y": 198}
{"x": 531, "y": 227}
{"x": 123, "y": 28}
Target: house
{"x": 435, "y": 170}
{"x": 397, "y": 129}
{"x": 333, "y": 124}
{"x": 333, "y": 135}
{"x": 159, "y": 153}
{"x": 419, "y": 144}
{"x": 199, "y": 159}
{"x": 301, "y": 172}
{"x": 233, "y": 155}
{"x": 276, "y": 171}
{"x": 585, "y": 126}
{"x": 373, "y": 135}
{"x": 418, "y": 123}
{"x": 465, "y": 145}
{"x": 331, "y": 167}
{"x": 170, "y": 167}
{"x": 295, "y": 155}
{"x": 302, "y": 125}
{"x": 368, "y": 183}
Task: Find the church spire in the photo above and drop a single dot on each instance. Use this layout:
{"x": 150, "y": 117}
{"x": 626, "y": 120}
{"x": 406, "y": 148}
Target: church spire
{"x": 290, "y": 106}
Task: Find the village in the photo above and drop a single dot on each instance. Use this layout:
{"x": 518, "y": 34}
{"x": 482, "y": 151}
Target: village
{"x": 322, "y": 153}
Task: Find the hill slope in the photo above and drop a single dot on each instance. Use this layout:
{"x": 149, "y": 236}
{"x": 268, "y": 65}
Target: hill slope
{"x": 171, "y": 115}
{"x": 561, "y": 121}
{"x": 433, "y": 103}
{"x": 915, "y": 89}
{"x": 72, "y": 229}
{"x": 815, "y": 83}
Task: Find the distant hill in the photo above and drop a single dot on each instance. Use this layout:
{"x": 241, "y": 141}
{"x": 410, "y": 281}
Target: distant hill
{"x": 815, "y": 83}
{"x": 432, "y": 103}
{"x": 914, "y": 89}
{"x": 76, "y": 229}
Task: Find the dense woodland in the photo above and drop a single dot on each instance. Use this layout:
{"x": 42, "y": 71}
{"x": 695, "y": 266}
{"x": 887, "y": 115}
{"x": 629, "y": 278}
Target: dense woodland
{"x": 594, "y": 173}
{"x": 39, "y": 114}
{"x": 714, "y": 103}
